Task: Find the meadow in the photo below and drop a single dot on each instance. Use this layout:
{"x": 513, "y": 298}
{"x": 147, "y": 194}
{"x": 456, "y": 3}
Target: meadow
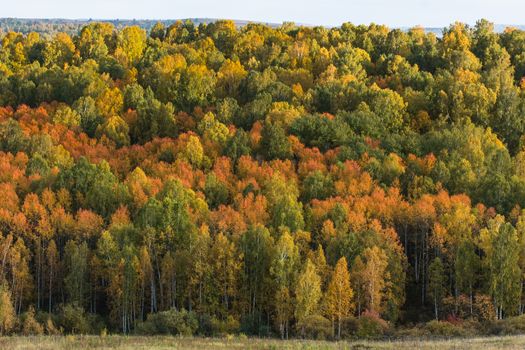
{"x": 161, "y": 343}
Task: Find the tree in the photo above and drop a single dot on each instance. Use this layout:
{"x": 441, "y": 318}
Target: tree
{"x": 31, "y": 325}
{"x": 110, "y": 102}
{"x": 307, "y": 293}
{"x": 467, "y": 264}
{"x": 229, "y": 78}
{"x": 155, "y": 119}
{"x": 375, "y": 276}
{"x": 197, "y": 87}
{"x": 358, "y": 281}
{"x": 436, "y": 287}
{"x": 274, "y": 143}
{"x": 283, "y": 269}
{"x": 116, "y": 129}
{"x": 93, "y": 40}
{"x": 225, "y": 264}
{"x": 502, "y": 252}
{"x": 132, "y": 42}
{"x": 53, "y": 266}
{"x": 338, "y": 297}
{"x": 76, "y": 278}
{"x": 257, "y": 247}
{"x": 7, "y": 310}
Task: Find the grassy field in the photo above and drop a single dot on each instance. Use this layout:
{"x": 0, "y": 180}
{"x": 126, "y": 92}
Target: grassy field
{"x": 161, "y": 343}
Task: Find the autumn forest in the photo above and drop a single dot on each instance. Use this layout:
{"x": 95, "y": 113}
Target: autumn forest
{"x": 286, "y": 181}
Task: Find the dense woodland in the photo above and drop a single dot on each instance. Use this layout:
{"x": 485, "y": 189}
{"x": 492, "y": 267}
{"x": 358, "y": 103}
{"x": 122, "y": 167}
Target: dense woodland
{"x": 289, "y": 181}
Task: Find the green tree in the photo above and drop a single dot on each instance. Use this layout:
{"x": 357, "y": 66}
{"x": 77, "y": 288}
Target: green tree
{"x": 76, "y": 279}
{"x": 502, "y": 253}
{"x": 436, "y": 284}
{"x": 283, "y": 271}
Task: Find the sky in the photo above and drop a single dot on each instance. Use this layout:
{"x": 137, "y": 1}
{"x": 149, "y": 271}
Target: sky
{"x": 394, "y": 13}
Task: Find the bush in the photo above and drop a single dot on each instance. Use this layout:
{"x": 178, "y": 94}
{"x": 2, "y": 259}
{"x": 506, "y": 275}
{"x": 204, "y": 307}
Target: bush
{"x": 371, "y": 326}
{"x": 49, "y": 322}
{"x": 315, "y": 327}
{"x": 50, "y": 327}
{"x": 484, "y": 308}
{"x": 223, "y": 327}
{"x": 73, "y": 319}
{"x": 509, "y": 326}
{"x": 30, "y": 325}
{"x": 444, "y": 329}
{"x": 169, "y": 322}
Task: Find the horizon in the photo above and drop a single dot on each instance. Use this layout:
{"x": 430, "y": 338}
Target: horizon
{"x": 331, "y": 13}
{"x": 242, "y": 20}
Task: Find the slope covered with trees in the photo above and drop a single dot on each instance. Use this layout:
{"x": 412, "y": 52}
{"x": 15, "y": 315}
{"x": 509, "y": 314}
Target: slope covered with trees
{"x": 287, "y": 181}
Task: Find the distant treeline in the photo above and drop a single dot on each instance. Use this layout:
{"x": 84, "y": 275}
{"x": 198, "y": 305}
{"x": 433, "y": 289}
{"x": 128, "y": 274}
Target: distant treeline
{"x": 50, "y": 27}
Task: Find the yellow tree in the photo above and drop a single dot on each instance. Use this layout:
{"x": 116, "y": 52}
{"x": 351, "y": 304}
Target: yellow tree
{"x": 22, "y": 281}
{"x": 7, "y": 311}
{"x": 225, "y": 266}
{"x": 307, "y": 293}
{"x": 229, "y": 78}
{"x": 147, "y": 280}
{"x": 110, "y": 102}
{"x": 131, "y": 43}
{"x": 339, "y": 295}
{"x": 375, "y": 276}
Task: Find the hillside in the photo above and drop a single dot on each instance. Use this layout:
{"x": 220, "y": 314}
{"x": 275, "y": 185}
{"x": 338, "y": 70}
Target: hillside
{"x": 289, "y": 181}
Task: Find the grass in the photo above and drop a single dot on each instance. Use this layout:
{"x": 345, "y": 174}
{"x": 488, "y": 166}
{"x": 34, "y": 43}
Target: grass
{"x": 162, "y": 343}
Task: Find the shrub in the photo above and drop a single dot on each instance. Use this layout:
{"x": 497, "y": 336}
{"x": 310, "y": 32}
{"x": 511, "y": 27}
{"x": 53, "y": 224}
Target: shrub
{"x": 315, "y": 327}
{"x": 457, "y": 307}
{"x": 49, "y": 322}
{"x": 223, "y": 327}
{"x": 444, "y": 329}
{"x": 509, "y": 326}
{"x": 50, "y": 327}
{"x": 30, "y": 325}
{"x": 371, "y": 326}
{"x": 73, "y": 319}
{"x": 169, "y": 322}
{"x": 484, "y": 308}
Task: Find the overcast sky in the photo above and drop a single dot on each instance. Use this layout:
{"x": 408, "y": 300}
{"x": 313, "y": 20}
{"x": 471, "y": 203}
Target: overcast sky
{"x": 435, "y": 13}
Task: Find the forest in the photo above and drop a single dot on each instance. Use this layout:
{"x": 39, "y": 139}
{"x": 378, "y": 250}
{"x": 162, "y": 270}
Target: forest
{"x": 284, "y": 181}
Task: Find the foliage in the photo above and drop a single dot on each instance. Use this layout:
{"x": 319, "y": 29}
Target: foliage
{"x": 169, "y": 322}
{"x": 274, "y": 180}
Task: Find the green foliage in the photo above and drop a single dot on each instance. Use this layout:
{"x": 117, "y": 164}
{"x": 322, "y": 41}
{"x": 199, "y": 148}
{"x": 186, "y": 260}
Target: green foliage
{"x": 169, "y": 322}
{"x": 73, "y": 319}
